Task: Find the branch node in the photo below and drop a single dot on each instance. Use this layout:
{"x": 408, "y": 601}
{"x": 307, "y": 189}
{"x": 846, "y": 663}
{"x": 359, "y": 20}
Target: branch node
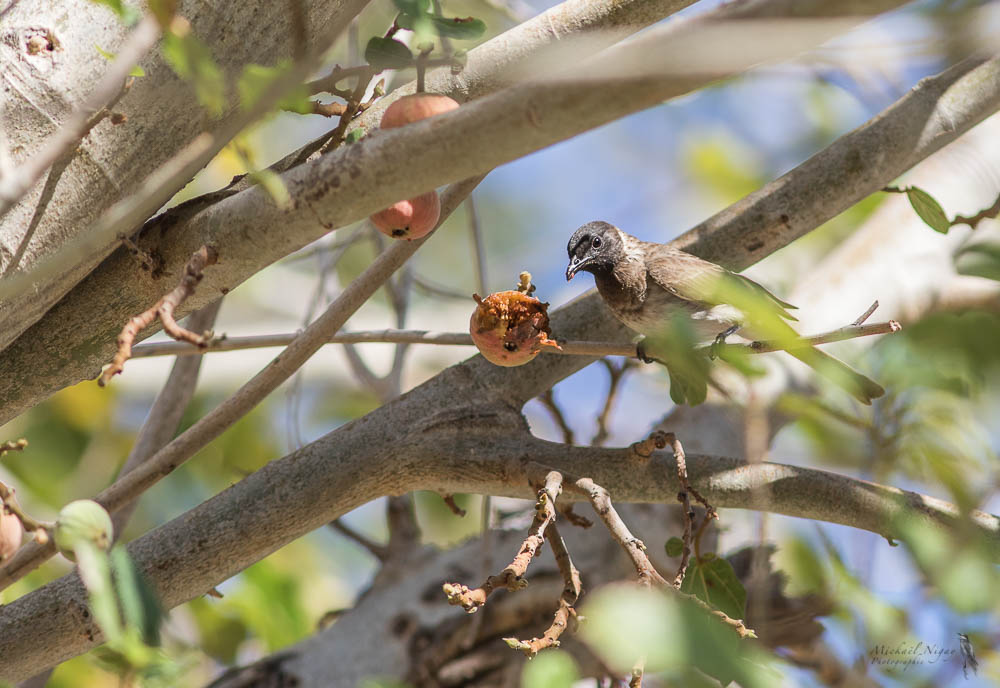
{"x": 164, "y": 310}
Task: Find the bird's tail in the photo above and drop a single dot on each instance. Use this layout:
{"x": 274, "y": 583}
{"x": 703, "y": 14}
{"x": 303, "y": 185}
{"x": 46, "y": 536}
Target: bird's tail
{"x": 862, "y": 388}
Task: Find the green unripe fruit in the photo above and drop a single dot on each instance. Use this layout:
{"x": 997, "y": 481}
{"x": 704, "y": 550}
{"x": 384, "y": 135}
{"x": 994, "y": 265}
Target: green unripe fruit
{"x": 83, "y": 521}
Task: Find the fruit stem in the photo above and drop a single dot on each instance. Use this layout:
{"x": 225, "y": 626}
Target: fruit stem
{"x": 422, "y": 67}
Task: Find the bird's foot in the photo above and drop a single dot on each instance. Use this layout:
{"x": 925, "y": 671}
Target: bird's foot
{"x": 720, "y": 341}
{"x": 640, "y": 352}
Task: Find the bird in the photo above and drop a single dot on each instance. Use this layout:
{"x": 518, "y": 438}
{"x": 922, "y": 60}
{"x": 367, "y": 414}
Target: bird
{"x": 646, "y": 284}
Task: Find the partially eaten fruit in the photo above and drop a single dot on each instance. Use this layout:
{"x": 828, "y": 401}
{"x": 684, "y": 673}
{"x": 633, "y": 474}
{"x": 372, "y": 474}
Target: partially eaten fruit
{"x": 510, "y": 328}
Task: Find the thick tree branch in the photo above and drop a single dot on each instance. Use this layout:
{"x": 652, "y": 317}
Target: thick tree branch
{"x": 356, "y": 180}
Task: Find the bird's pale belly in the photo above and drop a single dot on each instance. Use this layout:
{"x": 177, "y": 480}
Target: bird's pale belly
{"x": 653, "y": 313}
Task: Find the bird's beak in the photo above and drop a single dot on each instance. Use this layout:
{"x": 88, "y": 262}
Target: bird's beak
{"x": 575, "y": 265}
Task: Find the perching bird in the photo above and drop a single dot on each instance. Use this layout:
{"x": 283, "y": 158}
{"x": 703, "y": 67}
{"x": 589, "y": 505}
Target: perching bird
{"x": 645, "y": 284}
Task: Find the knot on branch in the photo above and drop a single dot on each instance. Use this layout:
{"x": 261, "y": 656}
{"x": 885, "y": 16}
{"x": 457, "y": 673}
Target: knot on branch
{"x": 657, "y": 440}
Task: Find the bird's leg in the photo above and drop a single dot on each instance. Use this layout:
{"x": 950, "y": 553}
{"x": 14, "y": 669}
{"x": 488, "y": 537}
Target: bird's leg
{"x": 640, "y": 352}
{"x": 720, "y": 340}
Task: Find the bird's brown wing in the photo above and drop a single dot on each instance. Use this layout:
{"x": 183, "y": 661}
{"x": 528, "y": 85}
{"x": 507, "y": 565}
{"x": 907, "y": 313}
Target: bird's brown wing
{"x": 693, "y": 279}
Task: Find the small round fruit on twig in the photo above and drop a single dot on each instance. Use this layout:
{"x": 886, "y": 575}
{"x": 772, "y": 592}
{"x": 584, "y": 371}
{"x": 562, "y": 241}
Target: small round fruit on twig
{"x": 415, "y": 217}
{"x": 410, "y": 219}
{"x": 415, "y": 107}
{"x": 83, "y": 521}
{"x": 510, "y": 328}
{"x": 11, "y": 534}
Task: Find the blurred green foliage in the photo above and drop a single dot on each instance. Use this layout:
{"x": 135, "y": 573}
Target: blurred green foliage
{"x": 550, "y": 669}
{"x": 677, "y": 640}
{"x": 711, "y": 579}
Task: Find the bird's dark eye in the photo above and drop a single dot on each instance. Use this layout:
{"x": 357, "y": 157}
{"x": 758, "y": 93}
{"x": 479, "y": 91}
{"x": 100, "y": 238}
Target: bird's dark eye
{"x": 596, "y": 243}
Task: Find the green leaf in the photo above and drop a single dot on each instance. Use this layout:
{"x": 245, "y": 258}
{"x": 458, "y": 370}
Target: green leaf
{"x": 387, "y": 53}
{"x": 354, "y": 135}
{"x": 95, "y": 573}
{"x": 674, "y": 547}
{"x": 256, "y": 79}
{"x": 979, "y": 260}
{"x": 135, "y": 71}
{"x": 272, "y": 183}
{"x": 192, "y": 61}
{"x": 929, "y": 210}
{"x": 460, "y": 28}
{"x": 712, "y": 580}
{"x": 413, "y": 8}
{"x": 140, "y": 606}
{"x": 128, "y": 14}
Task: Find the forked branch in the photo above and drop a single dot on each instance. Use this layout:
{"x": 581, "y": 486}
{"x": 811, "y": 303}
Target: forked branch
{"x": 164, "y": 310}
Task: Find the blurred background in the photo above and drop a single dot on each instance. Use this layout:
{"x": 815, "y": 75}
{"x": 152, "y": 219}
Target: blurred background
{"x": 654, "y": 174}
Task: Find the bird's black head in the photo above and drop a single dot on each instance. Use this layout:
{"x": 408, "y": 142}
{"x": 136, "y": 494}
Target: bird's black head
{"x": 594, "y": 248}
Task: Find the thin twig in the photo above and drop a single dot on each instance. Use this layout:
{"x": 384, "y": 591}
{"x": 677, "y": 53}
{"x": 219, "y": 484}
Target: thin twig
{"x": 574, "y": 518}
{"x": 633, "y": 546}
{"x": 867, "y": 314}
{"x": 478, "y": 243}
{"x": 565, "y": 613}
{"x": 449, "y": 500}
{"x": 569, "y": 347}
{"x": 512, "y": 577}
{"x": 973, "y": 221}
{"x": 328, "y": 83}
{"x": 164, "y": 309}
{"x": 548, "y": 400}
{"x": 10, "y": 505}
{"x": 380, "y": 552}
{"x": 13, "y": 445}
{"x": 434, "y": 289}
{"x": 685, "y": 499}
{"x": 615, "y": 374}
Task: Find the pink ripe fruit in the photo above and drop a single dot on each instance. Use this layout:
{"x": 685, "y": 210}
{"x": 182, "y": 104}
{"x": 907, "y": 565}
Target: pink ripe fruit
{"x": 10, "y": 534}
{"x": 414, "y": 108}
{"x": 410, "y": 219}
